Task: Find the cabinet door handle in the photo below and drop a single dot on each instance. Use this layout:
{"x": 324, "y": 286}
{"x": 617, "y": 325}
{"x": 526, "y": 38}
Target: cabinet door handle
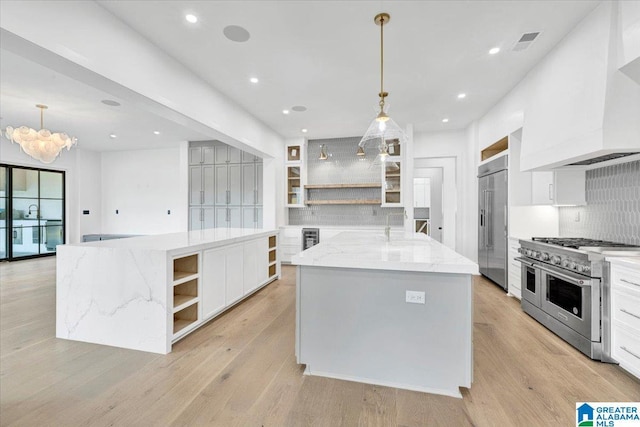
{"x": 255, "y": 197}
{"x": 227, "y": 215}
{"x": 201, "y": 214}
{"x": 228, "y": 196}
{"x": 629, "y": 351}
{"x": 550, "y": 191}
{"x": 630, "y": 282}
{"x": 255, "y": 215}
{"x": 630, "y": 313}
{"x": 201, "y": 197}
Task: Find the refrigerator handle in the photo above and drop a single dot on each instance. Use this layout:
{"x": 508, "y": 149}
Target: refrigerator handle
{"x": 490, "y": 216}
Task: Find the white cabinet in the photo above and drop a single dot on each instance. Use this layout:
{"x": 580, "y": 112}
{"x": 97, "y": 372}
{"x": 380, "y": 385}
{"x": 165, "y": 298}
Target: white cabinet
{"x": 256, "y": 264}
{"x": 514, "y": 269}
{"x": 249, "y": 196}
{"x": 214, "y": 273}
{"x": 290, "y": 242}
{"x": 227, "y": 154}
{"x": 392, "y": 182}
{"x": 201, "y": 185}
{"x": 561, "y": 187}
{"x": 295, "y": 175}
{"x": 202, "y": 154}
{"x": 228, "y": 184}
{"x": 201, "y": 217}
{"x": 234, "y": 273}
{"x": 625, "y": 314}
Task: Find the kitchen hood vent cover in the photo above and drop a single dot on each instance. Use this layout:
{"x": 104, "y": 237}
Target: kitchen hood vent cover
{"x": 525, "y": 41}
{"x": 602, "y": 159}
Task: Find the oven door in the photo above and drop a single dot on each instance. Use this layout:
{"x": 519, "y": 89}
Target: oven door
{"x": 568, "y": 298}
{"x": 530, "y": 279}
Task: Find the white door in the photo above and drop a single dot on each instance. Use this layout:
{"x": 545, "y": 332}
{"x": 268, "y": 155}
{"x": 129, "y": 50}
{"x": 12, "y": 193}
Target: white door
{"x": 213, "y": 281}
{"x": 248, "y": 184}
{"x": 195, "y": 155}
{"x": 234, "y": 155}
{"x": 250, "y": 265}
{"x": 248, "y": 217}
{"x": 208, "y": 217}
{"x": 208, "y": 155}
{"x": 220, "y": 154}
{"x": 222, "y": 219}
{"x": 207, "y": 184}
{"x": 195, "y": 218}
{"x": 221, "y": 185}
{"x": 234, "y": 184}
{"x": 234, "y": 216}
{"x": 259, "y": 183}
{"x": 234, "y": 273}
{"x": 195, "y": 185}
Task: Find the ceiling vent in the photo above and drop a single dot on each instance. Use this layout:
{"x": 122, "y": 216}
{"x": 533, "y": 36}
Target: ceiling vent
{"x": 525, "y": 41}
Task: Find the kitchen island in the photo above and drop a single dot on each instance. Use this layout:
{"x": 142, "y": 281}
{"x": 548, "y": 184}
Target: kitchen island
{"x": 147, "y": 292}
{"x": 397, "y": 313}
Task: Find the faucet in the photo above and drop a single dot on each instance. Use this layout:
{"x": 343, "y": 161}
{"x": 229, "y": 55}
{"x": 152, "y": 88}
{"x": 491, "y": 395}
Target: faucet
{"x": 37, "y": 210}
{"x": 387, "y": 229}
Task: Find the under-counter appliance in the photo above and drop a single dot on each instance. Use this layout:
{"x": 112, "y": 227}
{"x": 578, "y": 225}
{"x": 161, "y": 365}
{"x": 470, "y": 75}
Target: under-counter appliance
{"x": 492, "y": 228}
{"x": 564, "y": 287}
{"x": 310, "y": 237}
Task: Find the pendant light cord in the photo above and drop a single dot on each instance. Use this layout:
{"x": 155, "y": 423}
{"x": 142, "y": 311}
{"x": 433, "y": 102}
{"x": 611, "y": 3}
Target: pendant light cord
{"x": 381, "y": 61}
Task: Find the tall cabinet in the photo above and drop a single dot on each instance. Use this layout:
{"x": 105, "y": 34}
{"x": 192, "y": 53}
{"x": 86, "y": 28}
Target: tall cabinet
{"x": 225, "y": 187}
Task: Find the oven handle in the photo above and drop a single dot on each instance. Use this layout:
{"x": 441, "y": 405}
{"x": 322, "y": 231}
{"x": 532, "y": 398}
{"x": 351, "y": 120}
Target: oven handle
{"x": 576, "y": 281}
{"x": 525, "y": 261}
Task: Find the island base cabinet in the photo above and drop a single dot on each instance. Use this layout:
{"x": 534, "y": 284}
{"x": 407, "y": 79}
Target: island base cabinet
{"x": 213, "y": 282}
{"x": 355, "y": 324}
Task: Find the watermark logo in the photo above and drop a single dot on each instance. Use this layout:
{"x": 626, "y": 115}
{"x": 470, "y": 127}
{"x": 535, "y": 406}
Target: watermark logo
{"x": 608, "y": 414}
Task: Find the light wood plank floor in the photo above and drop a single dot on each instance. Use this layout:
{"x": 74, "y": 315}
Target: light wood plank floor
{"x": 240, "y": 370}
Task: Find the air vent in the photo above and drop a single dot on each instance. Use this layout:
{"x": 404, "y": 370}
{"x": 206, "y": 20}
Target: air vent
{"x": 525, "y": 41}
{"x": 602, "y": 159}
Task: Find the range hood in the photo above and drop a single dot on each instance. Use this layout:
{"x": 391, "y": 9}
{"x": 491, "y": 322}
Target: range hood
{"x": 583, "y": 106}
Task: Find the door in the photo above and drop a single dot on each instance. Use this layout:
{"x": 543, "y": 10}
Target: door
{"x": 222, "y": 217}
{"x": 248, "y": 217}
{"x": 196, "y": 191}
{"x": 234, "y": 274}
{"x": 248, "y": 184}
{"x": 234, "y": 184}
{"x": 250, "y": 265}
{"x": 4, "y": 234}
{"x": 208, "y": 217}
{"x": 208, "y": 181}
{"x": 195, "y": 218}
{"x": 493, "y": 212}
{"x": 221, "y": 185}
{"x": 234, "y": 217}
{"x": 213, "y": 281}
{"x": 483, "y": 185}
{"x": 258, "y": 185}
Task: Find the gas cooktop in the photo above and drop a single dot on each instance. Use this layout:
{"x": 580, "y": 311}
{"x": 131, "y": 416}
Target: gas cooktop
{"x": 578, "y": 242}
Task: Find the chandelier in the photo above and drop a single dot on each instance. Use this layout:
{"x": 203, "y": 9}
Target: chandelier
{"x": 383, "y": 127}
{"x": 40, "y": 144}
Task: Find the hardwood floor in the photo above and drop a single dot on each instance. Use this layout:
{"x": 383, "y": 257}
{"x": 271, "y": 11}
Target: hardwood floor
{"x": 240, "y": 370}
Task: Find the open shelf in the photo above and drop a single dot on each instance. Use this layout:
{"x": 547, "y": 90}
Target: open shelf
{"x": 272, "y": 270}
{"x": 272, "y": 256}
{"x": 185, "y": 317}
{"x": 185, "y": 267}
{"x": 344, "y": 202}
{"x": 293, "y": 153}
{"x": 323, "y": 186}
{"x": 272, "y": 242}
{"x": 185, "y": 294}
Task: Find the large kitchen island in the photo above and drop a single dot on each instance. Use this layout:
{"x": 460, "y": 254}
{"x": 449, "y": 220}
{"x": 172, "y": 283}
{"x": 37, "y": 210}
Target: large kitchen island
{"x": 147, "y": 292}
{"x": 397, "y": 313}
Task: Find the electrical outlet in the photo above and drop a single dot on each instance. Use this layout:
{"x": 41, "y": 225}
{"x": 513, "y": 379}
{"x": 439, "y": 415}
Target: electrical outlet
{"x": 414, "y": 297}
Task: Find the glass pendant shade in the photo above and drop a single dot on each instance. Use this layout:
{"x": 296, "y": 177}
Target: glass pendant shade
{"x": 42, "y": 145}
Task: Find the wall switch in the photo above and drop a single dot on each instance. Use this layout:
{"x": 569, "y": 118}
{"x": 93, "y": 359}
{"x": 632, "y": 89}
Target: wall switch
{"x": 415, "y": 297}
{"x": 117, "y": 212}
{"x": 168, "y": 211}
{"x": 85, "y": 212}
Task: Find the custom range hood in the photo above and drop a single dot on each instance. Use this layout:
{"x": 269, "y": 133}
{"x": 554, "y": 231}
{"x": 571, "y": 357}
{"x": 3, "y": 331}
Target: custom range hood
{"x": 583, "y": 103}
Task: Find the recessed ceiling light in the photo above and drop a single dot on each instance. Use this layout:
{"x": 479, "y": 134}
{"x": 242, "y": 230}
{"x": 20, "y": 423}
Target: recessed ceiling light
{"x": 191, "y": 18}
{"x": 113, "y": 136}
{"x": 462, "y": 95}
{"x": 236, "y": 33}
{"x": 304, "y": 130}
{"x": 445, "y": 120}
{"x": 494, "y": 50}
{"x": 110, "y": 102}
{"x": 156, "y": 132}
{"x": 285, "y": 111}
{"x": 299, "y": 108}
{"x": 254, "y": 80}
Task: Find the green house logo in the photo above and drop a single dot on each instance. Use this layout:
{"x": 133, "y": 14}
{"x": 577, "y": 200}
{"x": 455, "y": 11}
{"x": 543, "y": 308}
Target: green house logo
{"x": 584, "y": 417}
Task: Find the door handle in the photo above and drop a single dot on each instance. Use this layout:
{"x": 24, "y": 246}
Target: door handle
{"x": 228, "y": 196}
{"x": 550, "y": 191}
{"x": 228, "y": 215}
{"x": 201, "y": 214}
{"x": 255, "y": 197}
{"x": 201, "y": 197}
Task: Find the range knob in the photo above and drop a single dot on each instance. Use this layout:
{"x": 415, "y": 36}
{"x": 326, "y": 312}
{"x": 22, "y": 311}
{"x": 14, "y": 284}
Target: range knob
{"x": 565, "y": 263}
{"x": 544, "y": 256}
{"x": 572, "y": 265}
{"x": 555, "y": 260}
{"x": 584, "y": 269}
{"x": 528, "y": 252}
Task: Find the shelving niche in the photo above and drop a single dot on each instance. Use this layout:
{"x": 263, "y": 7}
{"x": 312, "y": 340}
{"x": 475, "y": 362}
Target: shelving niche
{"x": 185, "y": 292}
{"x": 273, "y": 259}
{"x": 341, "y": 201}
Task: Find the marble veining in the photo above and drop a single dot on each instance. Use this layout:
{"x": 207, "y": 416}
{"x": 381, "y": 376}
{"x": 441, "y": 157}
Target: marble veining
{"x": 370, "y": 250}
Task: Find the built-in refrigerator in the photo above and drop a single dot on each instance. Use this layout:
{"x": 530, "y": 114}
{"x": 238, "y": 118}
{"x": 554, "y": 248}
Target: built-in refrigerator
{"x": 493, "y": 231}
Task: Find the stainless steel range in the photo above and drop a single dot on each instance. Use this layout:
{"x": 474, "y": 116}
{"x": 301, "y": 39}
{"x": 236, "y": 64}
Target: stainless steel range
{"x": 564, "y": 287}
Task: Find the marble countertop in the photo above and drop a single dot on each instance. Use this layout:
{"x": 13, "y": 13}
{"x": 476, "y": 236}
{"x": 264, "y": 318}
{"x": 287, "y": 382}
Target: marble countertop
{"x": 192, "y": 240}
{"x": 370, "y": 250}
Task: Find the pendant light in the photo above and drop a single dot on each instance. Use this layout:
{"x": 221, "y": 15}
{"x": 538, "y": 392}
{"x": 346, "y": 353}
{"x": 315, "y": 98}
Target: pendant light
{"x": 382, "y": 127}
{"x": 323, "y": 153}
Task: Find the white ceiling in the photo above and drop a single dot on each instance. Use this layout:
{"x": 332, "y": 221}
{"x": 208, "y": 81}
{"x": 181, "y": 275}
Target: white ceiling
{"x": 320, "y": 54}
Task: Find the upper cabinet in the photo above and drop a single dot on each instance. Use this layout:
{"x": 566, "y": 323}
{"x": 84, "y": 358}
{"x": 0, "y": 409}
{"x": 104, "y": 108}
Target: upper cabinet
{"x": 295, "y": 174}
{"x": 227, "y": 154}
{"x": 580, "y": 106}
{"x": 200, "y": 154}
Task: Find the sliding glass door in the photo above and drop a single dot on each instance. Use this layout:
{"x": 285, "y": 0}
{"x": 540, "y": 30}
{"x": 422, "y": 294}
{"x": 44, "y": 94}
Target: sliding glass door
{"x": 34, "y": 211}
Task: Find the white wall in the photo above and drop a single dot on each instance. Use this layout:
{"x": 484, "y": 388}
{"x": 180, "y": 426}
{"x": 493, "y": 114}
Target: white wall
{"x": 143, "y": 185}
{"x": 89, "y": 192}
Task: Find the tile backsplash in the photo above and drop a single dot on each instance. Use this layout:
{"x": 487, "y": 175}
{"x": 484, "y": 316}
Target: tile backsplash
{"x": 613, "y": 206}
{"x": 343, "y": 167}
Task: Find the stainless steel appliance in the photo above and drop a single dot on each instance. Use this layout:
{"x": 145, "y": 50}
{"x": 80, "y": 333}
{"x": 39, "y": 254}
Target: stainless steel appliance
{"x": 310, "y": 237}
{"x": 565, "y": 289}
{"x": 492, "y": 231}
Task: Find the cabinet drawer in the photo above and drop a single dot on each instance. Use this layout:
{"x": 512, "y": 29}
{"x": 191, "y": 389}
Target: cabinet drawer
{"x": 625, "y": 348}
{"x": 625, "y": 309}
{"x": 625, "y": 279}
